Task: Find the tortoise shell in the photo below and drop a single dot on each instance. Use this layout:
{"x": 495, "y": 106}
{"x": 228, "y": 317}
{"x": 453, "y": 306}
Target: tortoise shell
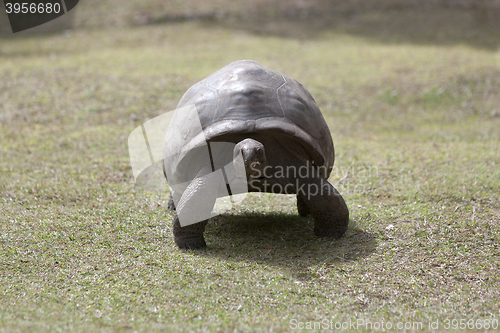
{"x": 247, "y": 97}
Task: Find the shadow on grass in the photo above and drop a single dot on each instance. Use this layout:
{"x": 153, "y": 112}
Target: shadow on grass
{"x": 283, "y": 240}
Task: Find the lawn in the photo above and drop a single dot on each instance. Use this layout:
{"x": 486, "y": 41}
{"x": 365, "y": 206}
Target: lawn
{"x": 415, "y": 118}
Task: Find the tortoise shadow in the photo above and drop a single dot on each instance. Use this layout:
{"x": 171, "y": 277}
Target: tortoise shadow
{"x": 282, "y": 240}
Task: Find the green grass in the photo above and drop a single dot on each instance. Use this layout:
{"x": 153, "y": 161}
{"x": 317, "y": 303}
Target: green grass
{"x": 416, "y": 131}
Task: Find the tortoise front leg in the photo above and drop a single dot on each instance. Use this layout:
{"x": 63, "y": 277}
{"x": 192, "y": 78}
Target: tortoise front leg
{"x": 195, "y": 207}
{"x": 330, "y": 212}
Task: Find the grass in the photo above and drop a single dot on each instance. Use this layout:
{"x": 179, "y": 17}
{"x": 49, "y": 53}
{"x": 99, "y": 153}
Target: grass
{"x": 415, "y": 126}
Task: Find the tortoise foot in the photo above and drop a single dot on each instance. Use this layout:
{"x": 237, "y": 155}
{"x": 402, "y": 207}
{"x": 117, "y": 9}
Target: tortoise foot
{"x": 331, "y": 215}
{"x": 332, "y": 221}
{"x": 190, "y": 236}
{"x": 190, "y": 243}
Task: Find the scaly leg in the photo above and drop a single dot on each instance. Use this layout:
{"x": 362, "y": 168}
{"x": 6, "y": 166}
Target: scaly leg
{"x": 330, "y": 212}
{"x": 195, "y": 207}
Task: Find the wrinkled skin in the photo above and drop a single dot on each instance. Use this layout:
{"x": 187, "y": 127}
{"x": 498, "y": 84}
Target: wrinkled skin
{"x": 264, "y": 155}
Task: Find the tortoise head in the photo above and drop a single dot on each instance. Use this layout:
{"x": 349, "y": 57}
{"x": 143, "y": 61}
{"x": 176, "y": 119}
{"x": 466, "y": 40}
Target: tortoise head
{"x": 254, "y": 157}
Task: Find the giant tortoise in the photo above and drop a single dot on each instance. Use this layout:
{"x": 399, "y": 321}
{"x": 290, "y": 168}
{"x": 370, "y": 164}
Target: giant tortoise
{"x": 277, "y": 129}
